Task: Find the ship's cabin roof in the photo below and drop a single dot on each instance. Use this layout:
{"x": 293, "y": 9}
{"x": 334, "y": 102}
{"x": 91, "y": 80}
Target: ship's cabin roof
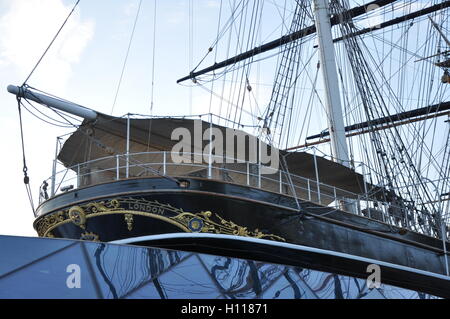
{"x": 100, "y": 147}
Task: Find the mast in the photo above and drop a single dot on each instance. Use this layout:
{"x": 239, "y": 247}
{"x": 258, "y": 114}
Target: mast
{"x": 354, "y": 12}
{"x": 329, "y": 72}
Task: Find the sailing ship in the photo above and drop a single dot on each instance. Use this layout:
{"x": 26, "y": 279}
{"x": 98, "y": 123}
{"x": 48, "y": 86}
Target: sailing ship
{"x": 379, "y": 198}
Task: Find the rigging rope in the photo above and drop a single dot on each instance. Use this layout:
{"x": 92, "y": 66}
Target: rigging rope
{"x": 394, "y": 156}
{"x": 26, "y": 178}
{"x": 126, "y": 56}
{"x": 51, "y": 43}
{"x": 191, "y": 49}
{"x": 153, "y": 59}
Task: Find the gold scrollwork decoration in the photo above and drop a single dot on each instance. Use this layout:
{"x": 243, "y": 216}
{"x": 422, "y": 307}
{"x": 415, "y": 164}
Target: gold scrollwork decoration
{"x": 203, "y": 222}
{"x": 129, "y": 220}
{"x": 44, "y": 225}
{"x": 193, "y": 221}
{"x": 89, "y": 236}
{"x": 78, "y": 216}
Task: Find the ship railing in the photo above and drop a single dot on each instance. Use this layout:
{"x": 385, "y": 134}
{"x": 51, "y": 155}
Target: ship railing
{"x": 252, "y": 174}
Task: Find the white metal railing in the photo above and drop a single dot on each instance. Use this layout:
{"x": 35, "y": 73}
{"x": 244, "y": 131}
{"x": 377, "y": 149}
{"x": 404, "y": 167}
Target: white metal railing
{"x": 132, "y": 165}
{"x": 71, "y": 176}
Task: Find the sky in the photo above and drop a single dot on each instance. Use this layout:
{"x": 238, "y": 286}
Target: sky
{"x": 84, "y": 66}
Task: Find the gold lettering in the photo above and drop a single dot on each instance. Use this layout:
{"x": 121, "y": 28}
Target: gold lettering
{"x": 146, "y": 208}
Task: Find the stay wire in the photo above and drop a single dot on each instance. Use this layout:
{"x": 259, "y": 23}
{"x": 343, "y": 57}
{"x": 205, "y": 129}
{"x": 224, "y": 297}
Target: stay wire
{"x": 153, "y": 60}
{"x": 26, "y": 178}
{"x": 58, "y": 123}
{"x": 51, "y": 95}
{"x": 51, "y": 43}
{"x": 126, "y": 56}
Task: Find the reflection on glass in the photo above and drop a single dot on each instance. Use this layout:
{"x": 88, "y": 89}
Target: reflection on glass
{"x": 237, "y": 278}
{"x": 189, "y": 279}
{"x": 28, "y": 253}
{"x": 38, "y": 268}
{"x": 121, "y": 271}
{"x": 47, "y": 278}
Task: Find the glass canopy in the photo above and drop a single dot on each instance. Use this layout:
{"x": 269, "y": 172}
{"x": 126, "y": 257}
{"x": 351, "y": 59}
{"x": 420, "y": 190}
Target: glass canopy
{"x": 35, "y": 268}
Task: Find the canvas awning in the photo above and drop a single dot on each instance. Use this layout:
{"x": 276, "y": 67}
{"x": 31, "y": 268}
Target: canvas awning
{"x": 108, "y": 136}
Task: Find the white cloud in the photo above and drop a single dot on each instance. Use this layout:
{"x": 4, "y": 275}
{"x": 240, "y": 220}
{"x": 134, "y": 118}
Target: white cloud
{"x": 26, "y": 29}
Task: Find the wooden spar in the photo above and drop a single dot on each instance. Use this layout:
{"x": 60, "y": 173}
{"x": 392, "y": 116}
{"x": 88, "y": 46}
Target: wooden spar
{"x": 375, "y": 129}
{"x": 65, "y": 106}
{"x": 355, "y": 12}
{"x": 398, "y": 20}
{"x": 431, "y": 109}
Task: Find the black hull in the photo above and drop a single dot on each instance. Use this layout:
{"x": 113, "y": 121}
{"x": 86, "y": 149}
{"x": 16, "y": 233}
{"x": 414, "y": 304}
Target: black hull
{"x": 150, "y": 206}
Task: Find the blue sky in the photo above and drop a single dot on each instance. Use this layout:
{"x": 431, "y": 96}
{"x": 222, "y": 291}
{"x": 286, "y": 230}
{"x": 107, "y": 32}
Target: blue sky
{"x": 84, "y": 66}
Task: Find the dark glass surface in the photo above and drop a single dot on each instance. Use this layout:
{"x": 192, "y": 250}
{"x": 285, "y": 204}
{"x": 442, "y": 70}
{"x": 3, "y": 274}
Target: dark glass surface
{"x": 38, "y": 268}
{"x": 46, "y": 277}
{"x": 10, "y": 246}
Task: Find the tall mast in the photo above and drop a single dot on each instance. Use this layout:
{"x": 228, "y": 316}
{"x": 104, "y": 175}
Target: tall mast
{"x": 332, "y": 96}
